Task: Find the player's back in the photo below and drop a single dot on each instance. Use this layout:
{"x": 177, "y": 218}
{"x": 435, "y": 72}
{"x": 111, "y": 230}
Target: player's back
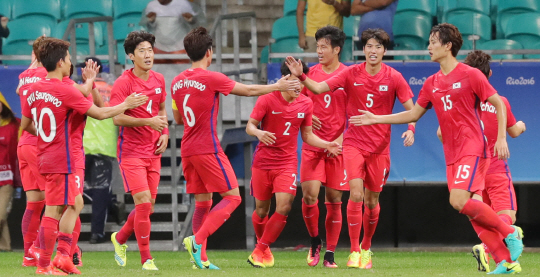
{"x": 26, "y": 79}
{"x": 196, "y": 95}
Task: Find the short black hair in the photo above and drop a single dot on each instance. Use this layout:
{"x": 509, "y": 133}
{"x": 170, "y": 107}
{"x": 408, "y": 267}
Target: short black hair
{"x": 285, "y": 69}
{"x": 448, "y": 33}
{"x": 479, "y": 59}
{"x": 135, "y": 38}
{"x": 51, "y": 51}
{"x": 378, "y": 34}
{"x": 335, "y": 35}
{"x": 196, "y": 43}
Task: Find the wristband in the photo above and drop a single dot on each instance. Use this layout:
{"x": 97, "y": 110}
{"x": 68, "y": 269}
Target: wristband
{"x": 93, "y": 85}
{"x": 165, "y": 131}
{"x": 302, "y": 77}
{"x": 412, "y": 128}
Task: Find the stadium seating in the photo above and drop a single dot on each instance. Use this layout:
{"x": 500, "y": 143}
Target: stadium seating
{"x": 285, "y": 27}
{"x": 123, "y": 8}
{"x": 124, "y": 26}
{"x": 411, "y": 32}
{"x": 49, "y": 8}
{"x": 346, "y": 52}
{"x": 350, "y": 25}
{"x": 286, "y": 45}
{"x": 509, "y": 8}
{"x": 427, "y": 7}
{"x": 5, "y": 8}
{"x": 264, "y": 55}
{"x": 448, "y": 7}
{"x": 502, "y": 44}
{"x": 289, "y": 7}
{"x": 78, "y": 9}
{"x": 22, "y": 36}
{"x": 81, "y": 32}
{"x": 524, "y": 28}
{"x": 533, "y": 56}
{"x": 471, "y": 23}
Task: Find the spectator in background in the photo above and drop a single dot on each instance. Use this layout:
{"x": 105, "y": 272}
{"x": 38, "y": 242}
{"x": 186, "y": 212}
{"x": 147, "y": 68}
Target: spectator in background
{"x": 320, "y": 13}
{"x": 4, "y": 31}
{"x": 9, "y": 170}
{"x": 169, "y": 21}
{"x": 375, "y": 14}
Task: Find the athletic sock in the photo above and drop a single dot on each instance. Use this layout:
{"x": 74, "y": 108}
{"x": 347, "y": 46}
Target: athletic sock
{"x": 30, "y": 223}
{"x": 142, "y": 229}
{"x": 311, "y": 218}
{"x": 217, "y": 216}
{"x": 273, "y": 229}
{"x": 125, "y": 232}
{"x": 47, "y": 235}
{"x": 491, "y": 238}
{"x": 65, "y": 241}
{"x": 259, "y": 224}
{"x": 333, "y": 225}
{"x": 354, "y": 219}
{"x": 485, "y": 217}
{"x": 76, "y": 233}
{"x": 202, "y": 208}
{"x": 506, "y": 219}
{"x": 371, "y": 219}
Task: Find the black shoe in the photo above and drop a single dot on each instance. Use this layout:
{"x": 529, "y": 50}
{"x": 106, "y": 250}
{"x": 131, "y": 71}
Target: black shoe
{"x": 119, "y": 212}
{"x": 76, "y": 257}
{"x": 97, "y": 238}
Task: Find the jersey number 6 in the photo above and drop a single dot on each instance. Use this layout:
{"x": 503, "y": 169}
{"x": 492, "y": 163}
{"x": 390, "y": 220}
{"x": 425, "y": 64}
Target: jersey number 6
{"x": 188, "y": 112}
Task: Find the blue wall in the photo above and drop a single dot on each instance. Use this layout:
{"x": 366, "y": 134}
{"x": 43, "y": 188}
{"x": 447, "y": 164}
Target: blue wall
{"x": 424, "y": 161}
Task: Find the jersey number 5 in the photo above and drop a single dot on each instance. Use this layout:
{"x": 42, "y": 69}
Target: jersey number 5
{"x": 188, "y": 112}
{"x": 39, "y": 124}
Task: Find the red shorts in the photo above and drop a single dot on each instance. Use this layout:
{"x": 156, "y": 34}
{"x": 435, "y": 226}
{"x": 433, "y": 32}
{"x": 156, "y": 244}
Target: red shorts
{"x": 264, "y": 183}
{"x": 328, "y": 170}
{"x": 60, "y": 189}
{"x": 499, "y": 192}
{"x": 208, "y": 173}
{"x": 140, "y": 174}
{"x": 29, "y": 168}
{"x": 370, "y": 167}
{"x": 468, "y": 173}
{"x": 79, "y": 179}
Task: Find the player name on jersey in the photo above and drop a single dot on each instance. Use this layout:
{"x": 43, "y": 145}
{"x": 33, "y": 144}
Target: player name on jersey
{"x": 43, "y": 96}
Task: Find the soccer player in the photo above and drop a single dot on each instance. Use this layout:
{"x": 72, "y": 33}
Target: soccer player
{"x": 373, "y": 86}
{"x": 144, "y": 135}
{"x": 51, "y": 104}
{"x": 317, "y": 167}
{"x": 499, "y": 190}
{"x": 282, "y": 114}
{"x": 456, "y": 92}
{"x": 195, "y": 94}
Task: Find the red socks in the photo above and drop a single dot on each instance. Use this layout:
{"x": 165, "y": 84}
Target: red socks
{"x": 217, "y": 216}
{"x": 76, "y": 233}
{"x": 273, "y": 229}
{"x": 311, "y": 218}
{"x": 142, "y": 228}
{"x": 354, "y": 218}
{"x": 202, "y": 208}
{"x": 47, "y": 236}
{"x": 484, "y": 216}
{"x": 506, "y": 219}
{"x": 491, "y": 238}
{"x": 125, "y": 232}
{"x": 371, "y": 218}
{"x": 333, "y": 225}
{"x": 64, "y": 243}
{"x": 30, "y": 223}
{"x": 258, "y": 224}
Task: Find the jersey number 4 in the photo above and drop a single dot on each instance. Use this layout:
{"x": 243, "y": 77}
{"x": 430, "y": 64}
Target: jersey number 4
{"x": 39, "y": 124}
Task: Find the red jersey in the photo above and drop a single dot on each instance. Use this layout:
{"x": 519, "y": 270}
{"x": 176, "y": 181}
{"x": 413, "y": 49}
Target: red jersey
{"x": 139, "y": 142}
{"x": 376, "y": 94}
{"x": 491, "y": 129}
{"x": 284, "y": 119}
{"x": 52, "y": 104}
{"x": 196, "y": 94}
{"x": 26, "y": 79}
{"x": 9, "y": 134}
{"x": 328, "y": 107}
{"x": 78, "y": 121}
{"x": 456, "y": 98}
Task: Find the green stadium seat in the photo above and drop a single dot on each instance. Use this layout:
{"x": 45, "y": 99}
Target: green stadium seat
{"x": 81, "y": 32}
{"x": 427, "y": 7}
{"x": 502, "y": 44}
{"x": 524, "y": 28}
{"x": 533, "y": 56}
{"x": 411, "y": 31}
{"x": 79, "y": 9}
{"x": 264, "y": 55}
{"x": 123, "y": 26}
{"x": 23, "y": 32}
{"x": 409, "y": 43}
{"x": 285, "y": 27}
{"x": 509, "y": 8}
{"x": 448, "y": 7}
{"x": 286, "y": 45}
{"x": 50, "y": 8}
{"x": 5, "y": 8}
{"x": 289, "y": 7}
{"x": 346, "y": 52}
{"x": 17, "y": 48}
{"x": 471, "y": 23}
{"x": 123, "y": 8}
{"x": 350, "y": 25}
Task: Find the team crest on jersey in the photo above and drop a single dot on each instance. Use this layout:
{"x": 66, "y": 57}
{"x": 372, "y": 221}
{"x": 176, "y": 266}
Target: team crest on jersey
{"x": 456, "y": 85}
{"x": 158, "y": 90}
{"x": 300, "y": 115}
{"x": 383, "y": 88}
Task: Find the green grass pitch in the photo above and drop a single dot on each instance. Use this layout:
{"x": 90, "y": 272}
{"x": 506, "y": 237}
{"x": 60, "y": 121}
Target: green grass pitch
{"x": 288, "y": 263}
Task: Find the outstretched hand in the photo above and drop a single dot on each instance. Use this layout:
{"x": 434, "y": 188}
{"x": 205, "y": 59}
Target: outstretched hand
{"x": 295, "y": 66}
{"x": 409, "y": 138}
{"x": 334, "y": 148}
{"x": 287, "y": 85}
{"x": 365, "y": 118}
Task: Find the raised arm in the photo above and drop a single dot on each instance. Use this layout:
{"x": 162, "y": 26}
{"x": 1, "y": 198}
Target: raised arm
{"x": 501, "y": 146}
{"x": 295, "y": 66}
{"x": 368, "y": 118}
{"x": 257, "y": 90}
{"x": 132, "y": 101}
{"x": 300, "y": 23}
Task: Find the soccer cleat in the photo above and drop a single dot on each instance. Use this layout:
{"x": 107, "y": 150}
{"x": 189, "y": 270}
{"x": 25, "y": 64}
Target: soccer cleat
{"x": 479, "y": 253}
{"x": 65, "y": 263}
{"x": 33, "y": 251}
{"x": 329, "y": 260}
{"x": 50, "y": 270}
{"x": 256, "y": 259}
{"x": 77, "y": 257}
{"x": 207, "y": 265}
{"x": 29, "y": 261}
{"x": 365, "y": 258}
{"x": 149, "y": 265}
{"x": 507, "y": 268}
{"x": 514, "y": 242}
{"x": 119, "y": 251}
{"x": 314, "y": 254}
{"x": 194, "y": 250}
{"x": 268, "y": 258}
{"x": 354, "y": 260}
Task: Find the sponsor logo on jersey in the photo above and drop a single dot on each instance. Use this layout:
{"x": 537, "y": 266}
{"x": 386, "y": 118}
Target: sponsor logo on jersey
{"x": 456, "y": 85}
{"x": 300, "y": 115}
{"x": 520, "y": 81}
{"x": 418, "y": 82}
{"x": 383, "y": 88}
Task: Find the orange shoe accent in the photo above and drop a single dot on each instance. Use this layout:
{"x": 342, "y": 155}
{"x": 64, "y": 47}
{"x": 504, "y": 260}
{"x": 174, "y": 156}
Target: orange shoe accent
{"x": 50, "y": 270}
{"x": 256, "y": 259}
{"x": 65, "y": 263}
{"x": 268, "y": 258}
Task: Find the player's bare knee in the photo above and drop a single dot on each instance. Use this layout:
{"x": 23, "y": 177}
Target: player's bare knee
{"x": 284, "y": 209}
{"x": 357, "y": 196}
{"x": 262, "y": 212}
{"x": 457, "y": 203}
{"x": 310, "y": 199}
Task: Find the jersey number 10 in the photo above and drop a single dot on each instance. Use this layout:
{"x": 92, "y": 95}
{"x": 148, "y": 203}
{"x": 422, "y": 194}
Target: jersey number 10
{"x": 39, "y": 123}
